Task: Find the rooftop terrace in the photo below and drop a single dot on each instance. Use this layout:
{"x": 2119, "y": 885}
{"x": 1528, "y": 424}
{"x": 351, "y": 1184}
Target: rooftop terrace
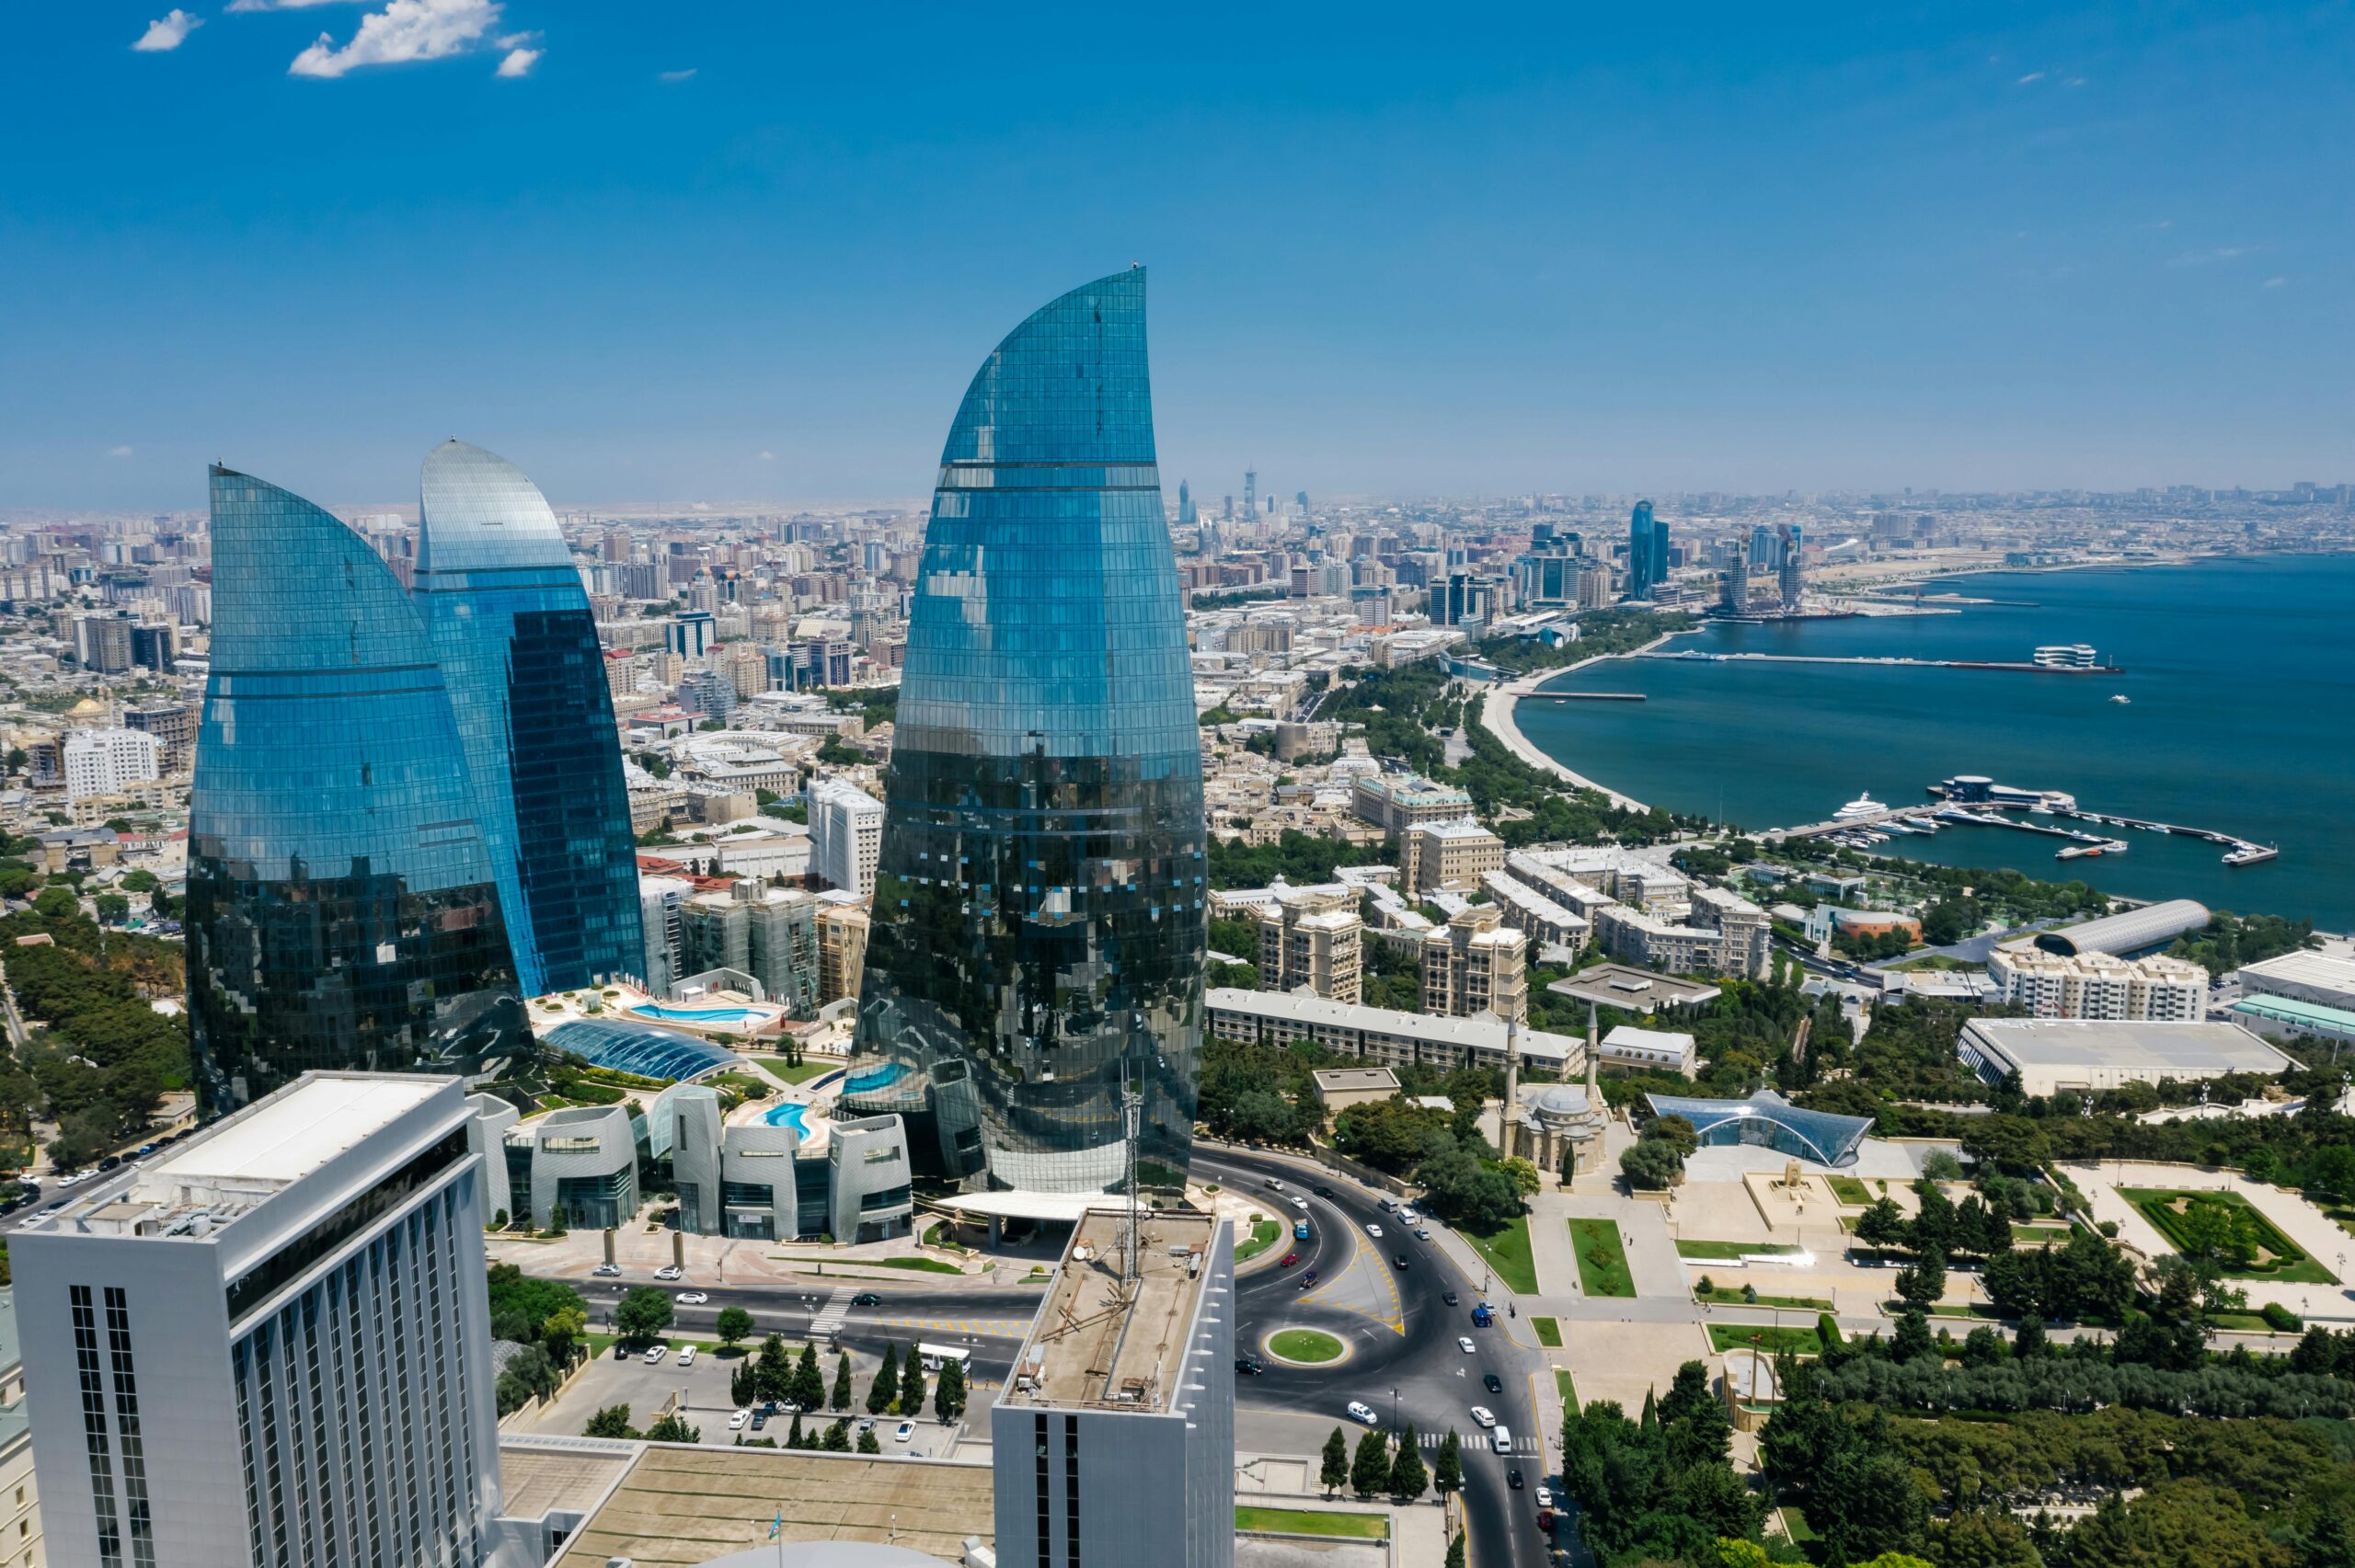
{"x": 1092, "y": 1344}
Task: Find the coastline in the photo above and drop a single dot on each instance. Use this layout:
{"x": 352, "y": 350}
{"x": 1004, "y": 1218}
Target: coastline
{"x": 1497, "y": 716}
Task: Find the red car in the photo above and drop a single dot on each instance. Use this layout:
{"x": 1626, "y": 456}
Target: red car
{"x": 1290, "y": 1259}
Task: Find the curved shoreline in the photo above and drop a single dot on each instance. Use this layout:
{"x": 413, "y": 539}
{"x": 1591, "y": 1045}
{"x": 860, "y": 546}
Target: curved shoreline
{"x": 1497, "y": 716}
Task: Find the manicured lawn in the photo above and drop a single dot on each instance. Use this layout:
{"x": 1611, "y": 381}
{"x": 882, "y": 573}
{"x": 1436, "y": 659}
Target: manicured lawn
{"x": 1933, "y": 961}
{"x": 1847, "y": 1189}
{"x": 2239, "y": 1323}
{"x": 1305, "y": 1344}
{"x": 1549, "y": 1332}
{"x": 1508, "y": 1253}
{"x": 2036, "y": 1235}
{"x": 1314, "y": 1521}
{"x": 1724, "y": 1297}
{"x": 921, "y": 1265}
{"x": 1794, "y": 1524}
{"x": 1263, "y": 1236}
{"x": 802, "y": 1074}
{"x": 1562, "y": 1387}
{"x": 1603, "y": 1260}
{"x": 2265, "y": 1252}
{"x": 1741, "y": 1336}
{"x": 1723, "y": 1252}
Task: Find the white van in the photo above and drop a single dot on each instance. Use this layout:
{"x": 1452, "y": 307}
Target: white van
{"x": 1502, "y": 1439}
{"x": 687, "y": 1357}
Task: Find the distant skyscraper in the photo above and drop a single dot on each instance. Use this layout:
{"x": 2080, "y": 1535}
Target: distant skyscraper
{"x": 1790, "y": 581}
{"x": 1185, "y": 506}
{"x": 1039, "y": 920}
{"x": 269, "y": 1346}
{"x": 511, "y": 623}
{"x": 342, "y": 912}
{"x": 1647, "y": 551}
{"x": 1251, "y": 492}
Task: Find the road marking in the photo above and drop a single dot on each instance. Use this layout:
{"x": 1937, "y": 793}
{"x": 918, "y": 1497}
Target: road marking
{"x": 830, "y": 1320}
{"x": 1361, "y": 1254}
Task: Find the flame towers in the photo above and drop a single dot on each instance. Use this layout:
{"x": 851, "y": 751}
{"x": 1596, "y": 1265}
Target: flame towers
{"x": 1039, "y": 919}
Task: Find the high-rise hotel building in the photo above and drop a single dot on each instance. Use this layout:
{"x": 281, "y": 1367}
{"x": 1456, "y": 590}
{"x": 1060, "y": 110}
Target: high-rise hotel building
{"x": 1037, "y": 930}
{"x": 271, "y": 1348}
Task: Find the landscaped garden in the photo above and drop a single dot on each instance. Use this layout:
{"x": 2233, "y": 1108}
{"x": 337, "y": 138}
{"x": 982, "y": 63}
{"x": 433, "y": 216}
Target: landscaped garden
{"x": 1602, "y": 1260}
{"x": 1728, "y": 1251}
{"x": 1263, "y": 1234}
{"x": 1747, "y": 1336}
{"x": 1849, "y": 1190}
{"x": 1506, "y": 1250}
{"x": 2224, "y": 1225}
{"x": 1311, "y": 1346}
{"x": 1313, "y": 1521}
{"x": 1549, "y": 1332}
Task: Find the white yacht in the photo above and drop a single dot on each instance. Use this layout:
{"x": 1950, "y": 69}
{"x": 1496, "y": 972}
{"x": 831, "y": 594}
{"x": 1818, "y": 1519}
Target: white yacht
{"x": 1863, "y": 806}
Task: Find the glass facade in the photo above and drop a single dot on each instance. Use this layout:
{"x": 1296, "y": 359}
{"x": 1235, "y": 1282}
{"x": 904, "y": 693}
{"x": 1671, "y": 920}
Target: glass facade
{"x": 341, "y": 909}
{"x": 509, "y": 622}
{"x": 1037, "y": 925}
{"x": 1769, "y": 1121}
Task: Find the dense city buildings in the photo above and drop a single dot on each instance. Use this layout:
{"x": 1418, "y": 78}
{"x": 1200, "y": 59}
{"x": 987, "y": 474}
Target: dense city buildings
{"x": 189, "y": 1325}
{"x": 342, "y": 912}
{"x": 1038, "y": 931}
{"x": 504, "y": 609}
{"x": 1311, "y": 937}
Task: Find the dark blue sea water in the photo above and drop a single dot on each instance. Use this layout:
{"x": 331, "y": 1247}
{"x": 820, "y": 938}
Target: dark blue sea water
{"x": 2242, "y": 718}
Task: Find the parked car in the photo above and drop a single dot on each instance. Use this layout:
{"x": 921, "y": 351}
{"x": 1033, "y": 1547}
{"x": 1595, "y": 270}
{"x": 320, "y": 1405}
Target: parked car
{"x": 692, "y": 1298}
{"x": 759, "y": 1419}
{"x": 655, "y": 1354}
{"x": 1544, "y": 1496}
{"x": 687, "y": 1357}
{"x": 1362, "y": 1412}
{"x": 904, "y": 1433}
{"x": 736, "y": 1421}
{"x": 669, "y": 1271}
{"x": 607, "y": 1270}
{"x": 1484, "y": 1416}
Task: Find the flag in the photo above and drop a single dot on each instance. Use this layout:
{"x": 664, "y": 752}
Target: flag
{"x": 776, "y": 1526}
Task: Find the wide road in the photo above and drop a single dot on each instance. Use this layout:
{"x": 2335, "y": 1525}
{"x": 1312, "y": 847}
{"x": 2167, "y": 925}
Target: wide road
{"x": 1404, "y": 1358}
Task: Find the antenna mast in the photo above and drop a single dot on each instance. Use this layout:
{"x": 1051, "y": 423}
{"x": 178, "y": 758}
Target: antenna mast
{"x": 1133, "y": 1230}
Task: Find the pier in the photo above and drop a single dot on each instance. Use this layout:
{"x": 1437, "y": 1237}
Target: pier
{"x": 2021, "y": 666}
{"x": 1589, "y": 697}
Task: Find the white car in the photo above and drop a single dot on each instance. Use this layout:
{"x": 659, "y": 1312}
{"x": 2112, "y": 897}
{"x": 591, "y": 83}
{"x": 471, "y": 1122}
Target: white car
{"x": 692, "y": 1298}
{"x": 905, "y": 1433}
{"x": 607, "y": 1270}
{"x": 1422, "y": 1232}
{"x": 1301, "y": 1204}
{"x": 1373, "y": 1231}
{"x": 736, "y": 1421}
{"x": 1464, "y": 1342}
{"x": 1484, "y": 1416}
{"x": 668, "y": 1271}
{"x": 657, "y": 1353}
{"x": 1364, "y": 1413}
{"x": 1407, "y": 1215}
{"x": 1544, "y": 1496}
{"x": 687, "y": 1357}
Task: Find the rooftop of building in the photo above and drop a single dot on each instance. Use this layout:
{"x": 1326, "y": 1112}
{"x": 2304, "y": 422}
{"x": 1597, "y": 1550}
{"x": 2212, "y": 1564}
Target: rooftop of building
{"x": 1622, "y": 985}
{"x": 1464, "y": 828}
{"x": 1634, "y": 1038}
{"x": 1099, "y": 1342}
{"x": 2298, "y": 1012}
{"x": 1484, "y": 1030}
{"x": 1355, "y": 1080}
{"x": 677, "y": 1506}
{"x": 2322, "y": 970}
{"x": 2192, "y": 1049}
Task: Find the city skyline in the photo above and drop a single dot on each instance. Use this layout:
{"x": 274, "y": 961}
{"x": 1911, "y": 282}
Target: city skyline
{"x": 1972, "y": 252}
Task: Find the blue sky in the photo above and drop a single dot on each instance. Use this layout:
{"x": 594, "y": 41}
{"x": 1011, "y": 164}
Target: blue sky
{"x": 736, "y": 252}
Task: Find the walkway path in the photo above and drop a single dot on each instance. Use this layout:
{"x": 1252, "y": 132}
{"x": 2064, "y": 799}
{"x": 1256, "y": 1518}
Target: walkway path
{"x": 1496, "y": 714}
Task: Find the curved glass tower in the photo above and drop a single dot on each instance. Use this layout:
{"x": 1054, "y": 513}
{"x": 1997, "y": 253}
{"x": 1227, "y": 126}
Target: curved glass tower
{"x": 509, "y": 622}
{"x": 1038, "y": 927}
{"x": 341, "y": 910}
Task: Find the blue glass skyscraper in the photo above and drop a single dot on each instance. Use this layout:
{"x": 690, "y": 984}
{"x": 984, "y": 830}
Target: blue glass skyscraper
{"x": 1038, "y": 927}
{"x": 342, "y": 908}
{"x": 1647, "y": 551}
{"x": 510, "y": 623}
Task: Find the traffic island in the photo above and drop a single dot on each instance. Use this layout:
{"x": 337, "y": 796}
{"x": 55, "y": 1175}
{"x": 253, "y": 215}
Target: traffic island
{"x": 1305, "y": 1347}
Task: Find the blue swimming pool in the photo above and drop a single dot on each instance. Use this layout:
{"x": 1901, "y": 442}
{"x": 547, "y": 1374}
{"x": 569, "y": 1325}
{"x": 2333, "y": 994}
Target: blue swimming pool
{"x": 696, "y": 1015}
{"x": 875, "y": 1078}
{"x": 795, "y": 1115}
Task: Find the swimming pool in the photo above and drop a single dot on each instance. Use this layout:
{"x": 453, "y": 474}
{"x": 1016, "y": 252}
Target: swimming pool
{"x": 795, "y": 1115}
{"x": 696, "y": 1014}
{"x": 875, "y": 1078}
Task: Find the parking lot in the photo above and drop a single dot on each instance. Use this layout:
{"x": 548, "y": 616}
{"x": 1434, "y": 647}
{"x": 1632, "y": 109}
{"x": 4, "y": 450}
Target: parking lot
{"x": 701, "y": 1392}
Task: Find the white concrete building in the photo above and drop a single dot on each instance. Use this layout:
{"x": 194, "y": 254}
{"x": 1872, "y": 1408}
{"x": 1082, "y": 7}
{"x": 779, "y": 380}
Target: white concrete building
{"x": 846, "y": 835}
{"x": 2086, "y": 1055}
{"x": 108, "y": 761}
{"x": 269, "y": 1346}
{"x": 2099, "y": 985}
{"x": 1385, "y": 1036}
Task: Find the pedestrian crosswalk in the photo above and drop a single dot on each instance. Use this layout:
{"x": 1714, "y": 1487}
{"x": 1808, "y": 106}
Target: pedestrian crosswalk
{"x": 1476, "y": 1439}
{"x": 832, "y": 1316}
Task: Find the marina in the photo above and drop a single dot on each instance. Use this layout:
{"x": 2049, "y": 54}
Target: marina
{"x": 1864, "y": 822}
{"x": 2024, "y": 667}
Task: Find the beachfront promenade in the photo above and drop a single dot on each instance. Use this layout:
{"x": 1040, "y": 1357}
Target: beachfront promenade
{"x": 1496, "y": 715}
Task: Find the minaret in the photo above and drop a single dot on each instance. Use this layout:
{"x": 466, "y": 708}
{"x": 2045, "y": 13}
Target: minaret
{"x": 1593, "y": 1061}
{"x": 1509, "y": 1117}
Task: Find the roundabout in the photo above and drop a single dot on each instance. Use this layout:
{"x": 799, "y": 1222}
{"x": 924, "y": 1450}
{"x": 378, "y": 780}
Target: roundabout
{"x": 1305, "y": 1347}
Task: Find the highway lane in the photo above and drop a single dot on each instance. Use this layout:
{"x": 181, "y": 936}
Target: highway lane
{"x": 1415, "y": 1368}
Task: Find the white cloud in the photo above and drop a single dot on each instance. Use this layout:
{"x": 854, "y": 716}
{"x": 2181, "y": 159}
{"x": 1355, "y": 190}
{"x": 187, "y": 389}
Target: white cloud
{"x": 403, "y": 33}
{"x": 168, "y": 32}
{"x": 2277, "y": 283}
{"x": 118, "y": 451}
{"x": 2031, "y": 76}
{"x": 519, "y": 62}
{"x": 286, "y": 4}
{"x": 768, "y": 457}
{"x": 676, "y": 76}
{"x": 2208, "y": 257}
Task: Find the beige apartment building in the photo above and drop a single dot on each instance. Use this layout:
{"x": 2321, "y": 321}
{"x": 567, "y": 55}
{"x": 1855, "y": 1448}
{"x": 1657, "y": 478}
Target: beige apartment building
{"x": 1476, "y": 964}
{"x": 1454, "y": 855}
{"x": 2100, "y": 985}
{"x": 1312, "y": 937}
{"x": 842, "y": 949}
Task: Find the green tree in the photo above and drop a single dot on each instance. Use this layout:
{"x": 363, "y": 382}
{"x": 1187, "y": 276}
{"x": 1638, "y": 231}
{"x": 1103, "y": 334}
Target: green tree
{"x": 735, "y": 1326}
{"x": 838, "y": 1437}
{"x": 1448, "y": 1473}
{"x": 1369, "y": 1472}
{"x": 1651, "y": 1165}
{"x": 612, "y": 1421}
{"x": 56, "y": 903}
{"x": 867, "y": 1443}
{"x": 1408, "y": 1479}
{"x": 112, "y": 908}
{"x": 911, "y": 1388}
{"x": 1882, "y": 1224}
{"x": 949, "y": 1397}
{"x": 1334, "y": 1469}
{"x": 841, "y": 1382}
{"x": 673, "y": 1429}
{"x": 1912, "y": 1337}
{"x": 809, "y": 1382}
{"x": 794, "y": 1435}
{"x": 1456, "y": 1552}
{"x": 644, "y": 1313}
{"x": 884, "y": 1392}
{"x": 773, "y": 1378}
{"x": 1924, "y": 1283}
